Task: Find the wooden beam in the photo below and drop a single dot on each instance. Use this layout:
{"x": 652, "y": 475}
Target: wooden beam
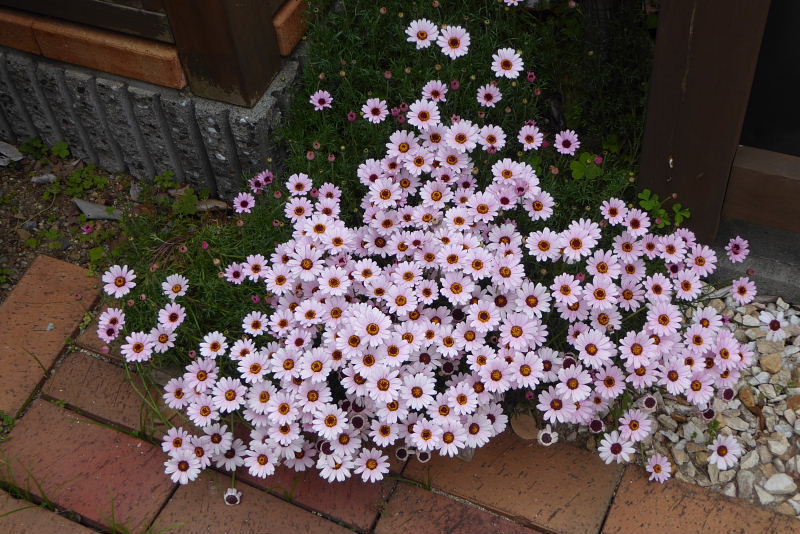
{"x": 125, "y": 55}
{"x": 227, "y": 47}
{"x": 139, "y": 19}
{"x": 764, "y": 188}
{"x": 705, "y": 59}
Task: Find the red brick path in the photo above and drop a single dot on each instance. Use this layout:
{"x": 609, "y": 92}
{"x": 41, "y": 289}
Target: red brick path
{"x": 73, "y": 449}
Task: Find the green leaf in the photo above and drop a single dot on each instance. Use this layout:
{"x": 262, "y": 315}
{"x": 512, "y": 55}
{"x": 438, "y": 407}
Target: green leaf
{"x": 96, "y": 254}
{"x": 60, "y": 149}
{"x": 578, "y": 170}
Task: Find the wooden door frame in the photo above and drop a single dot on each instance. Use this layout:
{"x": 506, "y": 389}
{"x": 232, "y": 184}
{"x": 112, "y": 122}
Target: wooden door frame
{"x": 705, "y": 60}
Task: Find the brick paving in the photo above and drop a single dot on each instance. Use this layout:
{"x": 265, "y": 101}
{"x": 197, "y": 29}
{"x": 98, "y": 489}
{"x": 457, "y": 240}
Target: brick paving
{"x": 70, "y": 448}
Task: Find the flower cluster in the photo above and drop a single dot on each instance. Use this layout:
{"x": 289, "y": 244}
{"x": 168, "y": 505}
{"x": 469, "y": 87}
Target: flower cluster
{"x": 410, "y": 330}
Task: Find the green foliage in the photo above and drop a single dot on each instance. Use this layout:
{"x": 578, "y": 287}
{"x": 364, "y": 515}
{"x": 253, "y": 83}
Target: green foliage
{"x": 5, "y": 273}
{"x": 596, "y": 88}
{"x": 186, "y": 204}
{"x": 165, "y": 180}
{"x": 586, "y": 166}
{"x": 662, "y": 216}
{"x": 37, "y": 149}
{"x": 77, "y": 184}
{"x": 714, "y": 427}
{"x": 60, "y": 149}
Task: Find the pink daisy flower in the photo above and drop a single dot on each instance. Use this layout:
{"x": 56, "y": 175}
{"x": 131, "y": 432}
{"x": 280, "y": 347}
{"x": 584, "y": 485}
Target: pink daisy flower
{"x": 594, "y": 348}
{"x": 567, "y": 142}
{"x": 435, "y": 90}
{"x": 138, "y": 347}
{"x": 261, "y": 459}
{"x": 463, "y": 136}
{"x": 635, "y": 425}
{"x": 299, "y": 184}
{"x": 454, "y": 41}
{"x": 375, "y": 110}
{"x": 737, "y": 249}
{"x": 108, "y": 333}
{"x": 687, "y": 285}
{"x": 664, "y": 318}
{"x": 422, "y": 33}
{"x": 321, "y": 100}
{"x": 530, "y": 137}
{"x": 213, "y": 345}
{"x": 701, "y": 389}
{"x": 554, "y": 407}
{"x": 488, "y": 95}
{"x": 423, "y": 114}
{"x": 234, "y": 273}
{"x": 492, "y": 138}
{"x": 543, "y": 245}
{"x": 119, "y": 280}
{"x": 659, "y": 467}
{"x": 244, "y": 203}
{"x": 743, "y": 291}
{"x": 574, "y": 383}
{"x": 725, "y": 451}
{"x": 528, "y": 370}
{"x": 228, "y": 395}
{"x": 172, "y": 315}
{"x": 506, "y": 63}
{"x": 566, "y": 289}
{"x": 610, "y": 382}
{"x": 702, "y": 260}
{"x": 372, "y": 465}
{"x": 675, "y": 376}
{"x": 183, "y": 466}
{"x": 163, "y": 338}
{"x": 614, "y": 211}
{"x": 613, "y": 448}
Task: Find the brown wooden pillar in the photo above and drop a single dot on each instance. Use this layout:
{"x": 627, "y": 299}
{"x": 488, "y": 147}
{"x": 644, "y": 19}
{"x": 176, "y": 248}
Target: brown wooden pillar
{"x": 705, "y": 60}
{"x": 227, "y": 47}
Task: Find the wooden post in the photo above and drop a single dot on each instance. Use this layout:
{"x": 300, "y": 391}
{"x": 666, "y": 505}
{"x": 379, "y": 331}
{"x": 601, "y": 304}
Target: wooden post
{"x": 705, "y": 60}
{"x": 227, "y": 47}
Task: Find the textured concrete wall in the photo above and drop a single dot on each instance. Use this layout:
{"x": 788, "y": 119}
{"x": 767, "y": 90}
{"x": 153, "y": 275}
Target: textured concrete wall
{"x": 129, "y": 126}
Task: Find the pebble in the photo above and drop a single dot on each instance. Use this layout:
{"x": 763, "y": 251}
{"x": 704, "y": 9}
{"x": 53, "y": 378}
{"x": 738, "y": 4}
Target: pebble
{"x": 680, "y": 456}
{"x": 749, "y": 320}
{"x": 764, "y": 497}
{"x": 745, "y": 481}
{"x": 764, "y": 454}
{"x": 778, "y": 463}
{"x": 48, "y": 178}
{"x": 778, "y": 445}
{"x": 780, "y": 484}
{"x": 749, "y": 460}
{"x": 772, "y": 362}
{"x": 790, "y": 416}
{"x": 729, "y": 490}
{"x": 669, "y": 423}
{"x": 736, "y": 423}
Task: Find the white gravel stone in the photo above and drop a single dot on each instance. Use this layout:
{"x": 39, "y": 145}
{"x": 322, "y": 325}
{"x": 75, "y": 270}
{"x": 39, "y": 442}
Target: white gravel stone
{"x": 749, "y": 460}
{"x": 778, "y": 445}
{"x": 764, "y": 497}
{"x": 745, "y": 481}
{"x": 780, "y": 484}
{"x": 729, "y": 490}
{"x": 749, "y": 320}
{"x": 680, "y": 456}
{"x": 790, "y": 416}
{"x": 668, "y": 422}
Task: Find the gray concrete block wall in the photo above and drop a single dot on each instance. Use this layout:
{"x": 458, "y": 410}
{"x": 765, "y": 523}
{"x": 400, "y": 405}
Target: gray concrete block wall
{"x": 143, "y": 129}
